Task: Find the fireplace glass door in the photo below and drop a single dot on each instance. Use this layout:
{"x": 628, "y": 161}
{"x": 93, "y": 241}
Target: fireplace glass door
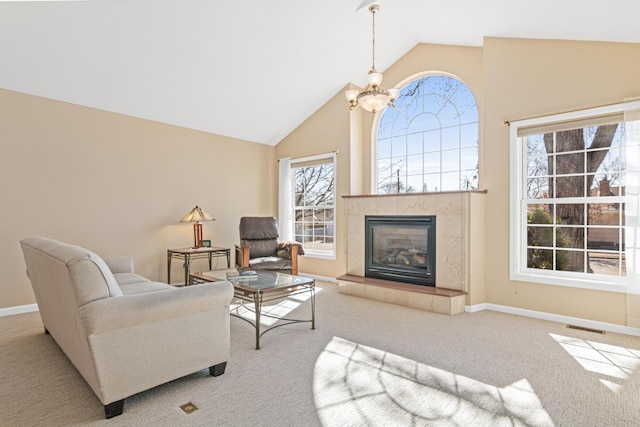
{"x": 401, "y": 248}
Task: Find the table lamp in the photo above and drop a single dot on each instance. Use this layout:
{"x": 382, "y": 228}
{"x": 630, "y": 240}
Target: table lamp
{"x": 195, "y": 216}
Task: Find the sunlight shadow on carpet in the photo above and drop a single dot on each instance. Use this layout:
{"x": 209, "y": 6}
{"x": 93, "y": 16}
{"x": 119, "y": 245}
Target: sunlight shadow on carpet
{"x": 615, "y": 363}
{"x": 272, "y": 311}
{"x": 358, "y": 385}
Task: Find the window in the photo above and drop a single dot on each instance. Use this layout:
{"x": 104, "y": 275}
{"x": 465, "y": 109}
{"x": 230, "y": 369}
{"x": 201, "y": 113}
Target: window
{"x": 429, "y": 142}
{"x": 569, "y": 198}
{"x": 313, "y": 203}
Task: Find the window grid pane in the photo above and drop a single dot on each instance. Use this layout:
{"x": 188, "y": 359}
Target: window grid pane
{"x": 575, "y": 217}
{"x": 314, "y": 198}
{"x": 433, "y": 144}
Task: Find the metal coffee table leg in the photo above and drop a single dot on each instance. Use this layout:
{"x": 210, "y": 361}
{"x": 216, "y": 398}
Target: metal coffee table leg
{"x": 313, "y": 305}
{"x": 257, "y": 303}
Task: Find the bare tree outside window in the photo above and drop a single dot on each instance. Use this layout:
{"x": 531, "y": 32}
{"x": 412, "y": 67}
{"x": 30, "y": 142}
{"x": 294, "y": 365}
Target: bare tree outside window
{"x": 314, "y": 205}
{"x": 570, "y": 175}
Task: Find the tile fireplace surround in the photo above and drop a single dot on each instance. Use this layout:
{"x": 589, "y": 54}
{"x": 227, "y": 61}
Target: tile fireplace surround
{"x": 459, "y": 249}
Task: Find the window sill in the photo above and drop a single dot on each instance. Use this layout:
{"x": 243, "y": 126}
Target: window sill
{"x": 615, "y": 284}
{"x": 317, "y": 255}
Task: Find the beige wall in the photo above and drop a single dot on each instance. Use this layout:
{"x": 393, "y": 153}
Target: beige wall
{"x": 528, "y": 78}
{"x": 118, "y": 185}
{"x": 511, "y": 79}
{"x": 324, "y": 132}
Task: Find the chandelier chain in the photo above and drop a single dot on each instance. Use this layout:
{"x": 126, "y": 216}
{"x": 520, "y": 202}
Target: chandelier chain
{"x": 373, "y": 37}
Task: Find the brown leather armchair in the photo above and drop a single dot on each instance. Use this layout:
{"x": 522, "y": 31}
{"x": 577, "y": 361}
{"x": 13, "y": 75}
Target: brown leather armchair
{"x": 261, "y": 249}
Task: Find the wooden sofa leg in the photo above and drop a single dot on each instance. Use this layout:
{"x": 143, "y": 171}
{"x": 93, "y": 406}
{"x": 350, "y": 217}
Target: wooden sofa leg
{"x": 114, "y": 409}
{"x": 218, "y": 369}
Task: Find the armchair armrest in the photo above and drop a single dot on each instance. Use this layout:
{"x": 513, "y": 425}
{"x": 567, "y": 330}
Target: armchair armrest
{"x": 294, "y": 260}
{"x": 293, "y": 249}
{"x": 120, "y": 264}
{"x": 108, "y": 314}
{"x": 242, "y": 256}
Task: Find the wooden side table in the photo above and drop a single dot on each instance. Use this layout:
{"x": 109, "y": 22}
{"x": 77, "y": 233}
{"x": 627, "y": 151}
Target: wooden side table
{"x": 187, "y": 254}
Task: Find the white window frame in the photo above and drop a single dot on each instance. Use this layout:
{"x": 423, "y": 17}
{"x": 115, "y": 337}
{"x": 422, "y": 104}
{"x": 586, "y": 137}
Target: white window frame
{"x": 518, "y": 270}
{"x": 320, "y": 158}
{"x": 376, "y": 124}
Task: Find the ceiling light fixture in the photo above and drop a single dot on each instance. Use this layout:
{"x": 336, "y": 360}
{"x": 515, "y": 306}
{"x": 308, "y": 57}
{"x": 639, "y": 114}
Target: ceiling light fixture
{"x": 372, "y": 98}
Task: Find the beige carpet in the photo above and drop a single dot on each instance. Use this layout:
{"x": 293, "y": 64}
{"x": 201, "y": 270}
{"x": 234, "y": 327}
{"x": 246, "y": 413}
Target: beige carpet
{"x": 367, "y": 363}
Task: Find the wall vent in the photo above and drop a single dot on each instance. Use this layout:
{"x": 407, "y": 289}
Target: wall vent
{"x": 581, "y": 328}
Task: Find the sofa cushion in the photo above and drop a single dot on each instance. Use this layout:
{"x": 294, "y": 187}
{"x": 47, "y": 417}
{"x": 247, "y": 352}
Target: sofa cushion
{"x": 144, "y": 287}
{"x": 86, "y": 269}
{"x": 126, "y": 278}
{"x": 270, "y": 263}
{"x": 120, "y": 264}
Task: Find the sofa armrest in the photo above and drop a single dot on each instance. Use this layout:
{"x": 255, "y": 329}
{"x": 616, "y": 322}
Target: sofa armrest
{"x": 120, "y": 264}
{"x": 109, "y": 314}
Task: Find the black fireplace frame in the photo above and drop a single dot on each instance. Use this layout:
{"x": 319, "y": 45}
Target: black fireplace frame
{"x": 416, "y": 276}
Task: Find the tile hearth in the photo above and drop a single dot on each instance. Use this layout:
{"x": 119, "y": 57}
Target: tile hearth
{"x": 427, "y": 298}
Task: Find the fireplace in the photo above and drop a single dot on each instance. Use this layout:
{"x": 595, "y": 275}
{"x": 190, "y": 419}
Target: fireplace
{"x": 401, "y": 248}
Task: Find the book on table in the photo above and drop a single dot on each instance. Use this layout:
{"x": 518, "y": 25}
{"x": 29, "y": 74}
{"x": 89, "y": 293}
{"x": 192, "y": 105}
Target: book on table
{"x": 242, "y": 275}
{"x": 242, "y": 278}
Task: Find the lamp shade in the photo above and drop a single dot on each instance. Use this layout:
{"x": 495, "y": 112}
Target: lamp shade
{"x": 196, "y": 215}
{"x": 375, "y": 79}
{"x": 351, "y": 94}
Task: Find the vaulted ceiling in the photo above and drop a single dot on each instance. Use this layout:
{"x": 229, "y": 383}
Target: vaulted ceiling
{"x": 254, "y": 69}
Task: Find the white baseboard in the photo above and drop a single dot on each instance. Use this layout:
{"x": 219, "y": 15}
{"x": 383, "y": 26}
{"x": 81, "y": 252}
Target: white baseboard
{"x": 315, "y": 277}
{"x": 576, "y": 321}
{"x": 18, "y": 310}
{"x": 475, "y": 308}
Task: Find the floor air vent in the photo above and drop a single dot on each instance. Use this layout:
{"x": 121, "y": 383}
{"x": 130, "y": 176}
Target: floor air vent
{"x": 581, "y": 328}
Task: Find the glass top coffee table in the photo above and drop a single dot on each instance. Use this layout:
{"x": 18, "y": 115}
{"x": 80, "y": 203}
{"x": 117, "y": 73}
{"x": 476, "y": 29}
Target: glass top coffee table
{"x": 261, "y": 287}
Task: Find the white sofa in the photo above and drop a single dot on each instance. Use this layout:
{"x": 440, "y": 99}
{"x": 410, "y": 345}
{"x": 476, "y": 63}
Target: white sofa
{"x": 124, "y": 333}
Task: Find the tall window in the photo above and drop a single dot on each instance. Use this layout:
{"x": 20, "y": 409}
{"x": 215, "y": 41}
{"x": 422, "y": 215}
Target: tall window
{"x": 569, "y": 198}
{"x": 429, "y": 142}
{"x": 314, "y": 204}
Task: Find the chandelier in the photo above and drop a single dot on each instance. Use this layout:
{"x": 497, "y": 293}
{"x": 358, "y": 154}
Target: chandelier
{"x": 372, "y": 98}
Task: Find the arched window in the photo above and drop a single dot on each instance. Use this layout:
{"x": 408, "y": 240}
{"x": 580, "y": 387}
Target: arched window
{"x": 429, "y": 141}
